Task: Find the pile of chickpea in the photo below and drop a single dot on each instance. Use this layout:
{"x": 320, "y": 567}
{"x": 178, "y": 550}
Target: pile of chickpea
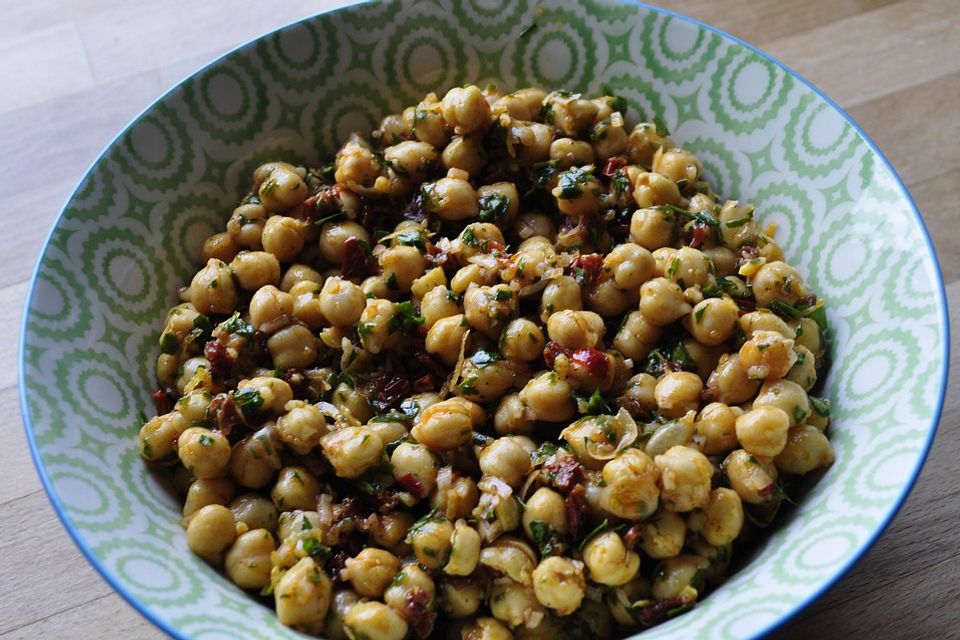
{"x": 513, "y": 369}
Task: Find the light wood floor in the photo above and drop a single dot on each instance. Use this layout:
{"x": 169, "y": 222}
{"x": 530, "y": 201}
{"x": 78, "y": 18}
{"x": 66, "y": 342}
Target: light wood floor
{"x": 75, "y": 71}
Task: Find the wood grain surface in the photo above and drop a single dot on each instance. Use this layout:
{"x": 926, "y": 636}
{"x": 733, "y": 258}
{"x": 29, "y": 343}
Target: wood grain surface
{"x": 76, "y": 71}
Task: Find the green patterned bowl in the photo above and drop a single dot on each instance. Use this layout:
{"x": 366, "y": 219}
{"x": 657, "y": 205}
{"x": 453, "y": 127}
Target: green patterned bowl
{"x": 130, "y": 235}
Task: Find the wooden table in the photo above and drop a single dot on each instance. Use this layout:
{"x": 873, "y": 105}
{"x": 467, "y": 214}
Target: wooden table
{"x": 76, "y": 71}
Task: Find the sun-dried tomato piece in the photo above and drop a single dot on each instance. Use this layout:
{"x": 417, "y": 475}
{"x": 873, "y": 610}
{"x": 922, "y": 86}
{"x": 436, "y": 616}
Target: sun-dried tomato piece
{"x": 220, "y": 361}
{"x": 632, "y": 536}
{"x": 356, "y": 260}
{"x": 657, "y": 612}
{"x": 162, "y": 401}
{"x": 595, "y": 362}
{"x": 576, "y": 508}
{"x": 225, "y": 413}
{"x": 551, "y": 351}
{"x": 564, "y": 472}
{"x": 411, "y": 484}
{"x": 613, "y": 165}
{"x": 416, "y": 609}
{"x": 586, "y": 269}
{"x": 386, "y": 390}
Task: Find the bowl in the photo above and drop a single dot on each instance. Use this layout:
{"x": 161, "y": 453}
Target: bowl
{"x": 130, "y": 235}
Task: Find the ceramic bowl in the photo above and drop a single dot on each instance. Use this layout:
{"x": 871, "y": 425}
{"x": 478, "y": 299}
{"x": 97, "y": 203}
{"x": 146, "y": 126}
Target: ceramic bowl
{"x": 130, "y": 235}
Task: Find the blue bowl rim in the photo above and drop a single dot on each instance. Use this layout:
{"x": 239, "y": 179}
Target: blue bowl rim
{"x": 164, "y": 626}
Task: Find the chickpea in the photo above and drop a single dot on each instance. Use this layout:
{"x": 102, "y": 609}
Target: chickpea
{"x": 632, "y": 489}
{"x": 425, "y": 284}
{"x": 415, "y": 159}
{"x": 675, "y": 576}
{"x": 752, "y": 477}
{"x": 206, "y": 491}
{"x": 464, "y": 550}
{"x": 807, "y": 334}
{"x": 685, "y": 474}
{"x": 669, "y": 435}
{"x": 301, "y": 427}
{"x": 506, "y": 458}
{"x": 302, "y": 597}
{"x": 639, "y": 396}
{"x": 390, "y": 530}
{"x": 255, "y": 511}
{"x": 374, "y": 326}
{"x": 334, "y": 235}
{"x": 461, "y": 598}
{"x": 713, "y": 320}
{"x": 255, "y": 269}
{"x": 342, "y": 602}
{"x": 445, "y": 337}
{"x": 578, "y": 192}
{"x": 410, "y": 578}
{"x": 478, "y": 238}
{"x": 352, "y": 451}
{"x": 563, "y": 293}
{"x": 609, "y": 561}
{"x": 204, "y": 452}
{"x": 653, "y": 189}
{"x": 212, "y": 289}
{"x": 283, "y": 237}
{"x": 630, "y": 264}
{"x": 465, "y": 153}
{"x": 447, "y": 424}
{"x": 716, "y": 428}
{"x": 466, "y": 110}
{"x": 530, "y": 225}
{"x": 767, "y": 355}
{"x": 662, "y": 301}
{"x": 763, "y": 431}
{"x": 548, "y": 398}
{"x": 499, "y": 202}
{"x": 569, "y": 113}
{"x": 522, "y": 340}
{"x": 255, "y": 460}
{"x": 644, "y": 141}
{"x": 158, "y": 437}
{"x": 487, "y": 381}
{"x": 523, "y": 104}
{"x": 680, "y": 165}
{"x": 428, "y": 122}
{"x": 609, "y": 300}
{"x": 567, "y": 152}
{"x": 764, "y": 320}
{"x": 689, "y": 267}
{"x": 785, "y": 395}
{"x": 246, "y": 225}
{"x": 777, "y": 281}
{"x": 450, "y": 199}
{"x": 471, "y": 274}
{"x": 514, "y": 604}
{"x": 292, "y": 347}
{"x": 281, "y": 187}
{"x": 306, "y": 304}
{"x": 724, "y": 260}
{"x": 488, "y": 309}
{"x": 558, "y": 584}
{"x": 637, "y": 336}
{"x": 248, "y": 561}
{"x": 417, "y": 462}
{"x": 576, "y": 329}
{"x": 807, "y": 449}
{"x": 456, "y": 496}
{"x": 274, "y": 393}
{"x": 729, "y": 383}
{"x": 370, "y": 571}
{"x": 211, "y": 532}
{"x": 296, "y": 488}
{"x": 662, "y": 536}
{"x": 220, "y": 246}
{"x": 486, "y": 629}
{"x": 546, "y": 507}
{"x": 678, "y": 392}
{"x": 804, "y": 369}
{"x": 720, "y": 520}
{"x": 268, "y": 306}
{"x": 438, "y": 303}
{"x": 512, "y": 417}
{"x": 402, "y": 265}
{"x": 609, "y": 137}
{"x": 737, "y": 227}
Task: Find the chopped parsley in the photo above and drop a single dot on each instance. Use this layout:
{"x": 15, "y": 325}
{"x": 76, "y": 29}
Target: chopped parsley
{"x": 404, "y": 318}
{"x": 543, "y": 536}
{"x": 493, "y": 207}
{"x": 249, "y": 401}
{"x": 821, "y": 406}
{"x": 412, "y": 239}
{"x": 236, "y": 325}
{"x": 573, "y": 182}
{"x": 169, "y": 343}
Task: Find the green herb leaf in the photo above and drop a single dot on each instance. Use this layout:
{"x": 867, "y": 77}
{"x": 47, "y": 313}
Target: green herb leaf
{"x": 543, "y": 536}
{"x": 249, "y": 401}
{"x": 315, "y": 549}
{"x": 412, "y": 239}
{"x": 785, "y": 310}
{"x": 698, "y": 314}
{"x": 169, "y": 343}
{"x": 572, "y": 183}
{"x": 493, "y": 207}
{"x": 596, "y": 405}
{"x": 333, "y": 217}
{"x": 404, "y": 318}
{"x": 821, "y": 406}
{"x": 235, "y": 325}
{"x": 661, "y": 125}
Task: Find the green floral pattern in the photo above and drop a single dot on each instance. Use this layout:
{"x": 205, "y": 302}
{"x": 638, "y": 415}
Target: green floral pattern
{"x": 131, "y": 234}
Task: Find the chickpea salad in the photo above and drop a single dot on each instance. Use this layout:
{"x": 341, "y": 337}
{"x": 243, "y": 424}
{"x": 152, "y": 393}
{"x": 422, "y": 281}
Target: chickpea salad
{"x": 510, "y": 368}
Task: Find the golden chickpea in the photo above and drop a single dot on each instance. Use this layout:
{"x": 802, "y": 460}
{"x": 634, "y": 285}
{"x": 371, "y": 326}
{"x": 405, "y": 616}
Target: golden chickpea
{"x": 204, "y": 452}
{"x": 546, "y": 507}
{"x": 255, "y": 269}
{"x": 807, "y": 449}
{"x": 777, "y": 281}
{"x": 563, "y": 293}
{"x": 306, "y": 304}
{"x": 716, "y": 427}
{"x": 211, "y": 532}
{"x": 479, "y": 237}
{"x": 576, "y": 329}
{"x": 352, "y": 451}
{"x": 428, "y": 122}
{"x": 632, "y": 490}
{"x": 282, "y": 188}
{"x": 568, "y": 112}
{"x": 461, "y": 598}
{"x": 301, "y": 427}
{"x": 729, "y": 383}
{"x": 680, "y": 165}
{"x": 662, "y": 301}
{"x": 558, "y": 584}
{"x": 507, "y": 459}
{"x": 433, "y": 279}
{"x": 767, "y": 355}
{"x": 342, "y": 302}
{"x": 807, "y": 334}
{"x": 431, "y": 542}
{"x": 296, "y": 488}
{"x": 465, "y": 153}
{"x": 248, "y": 563}
{"x": 644, "y": 141}
{"x": 334, "y": 235}
{"x": 662, "y": 536}
{"x": 370, "y": 571}
{"x": 609, "y": 137}
{"x": 678, "y": 392}
{"x": 302, "y": 597}
{"x": 255, "y": 460}
{"x": 636, "y": 337}
{"x": 630, "y": 264}
{"x": 342, "y": 602}
{"x": 721, "y": 519}
{"x": 402, "y": 265}
{"x": 514, "y": 604}
{"x": 212, "y": 289}
{"x": 713, "y": 320}
{"x": 466, "y": 110}
{"x": 464, "y": 550}
{"x": 578, "y": 192}
{"x": 450, "y": 199}
{"x": 785, "y": 395}
{"x": 292, "y": 347}
{"x": 653, "y": 189}
{"x": 246, "y": 225}
{"x": 418, "y": 462}
{"x": 158, "y": 437}
{"x": 522, "y": 104}
{"x": 274, "y": 393}
{"x": 685, "y": 474}
{"x": 416, "y": 160}
{"x": 689, "y": 267}
{"x": 737, "y": 227}
{"x": 488, "y": 380}
{"x": 488, "y": 309}
{"x": 255, "y": 511}
{"x": 445, "y": 337}
{"x": 220, "y": 246}
{"x": 675, "y": 576}
{"x": 567, "y": 152}
{"x": 549, "y": 398}
{"x": 410, "y": 578}
{"x": 485, "y": 629}
{"x": 752, "y": 477}
{"x": 764, "y": 320}
{"x": 522, "y": 341}
{"x": 639, "y": 397}
{"x": 609, "y": 561}
{"x": 499, "y": 202}
{"x": 447, "y": 424}
{"x": 529, "y": 225}
{"x": 804, "y": 369}
{"x": 723, "y": 260}
{"x": 609, "y": 300}
{"x": 268, "y": 306}
{"x": 763, "y": 430}
{"x": 471, "y": 274}
{"x": 512, "y": 417}
{"x": 283, "y": 237}
{"x": 206, "y": 491}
